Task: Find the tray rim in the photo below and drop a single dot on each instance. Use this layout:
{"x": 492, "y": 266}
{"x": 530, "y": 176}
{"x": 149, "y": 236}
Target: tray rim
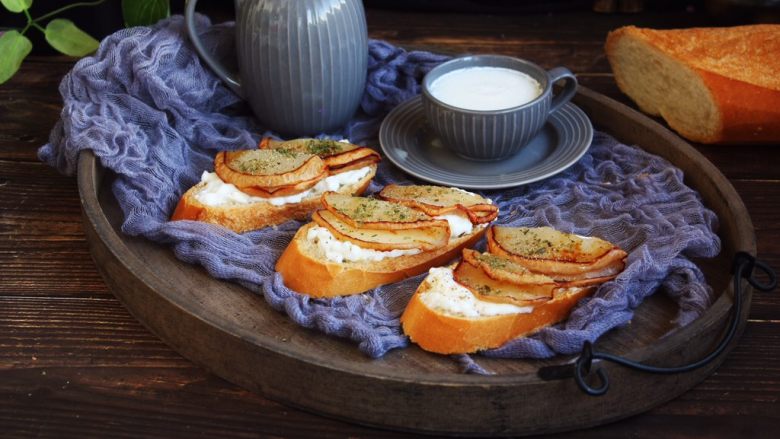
{"x": 97, "y": 225}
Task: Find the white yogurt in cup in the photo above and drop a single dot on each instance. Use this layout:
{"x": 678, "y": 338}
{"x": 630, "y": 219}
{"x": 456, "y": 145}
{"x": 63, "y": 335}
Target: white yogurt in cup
{"x": 485, "y": 88}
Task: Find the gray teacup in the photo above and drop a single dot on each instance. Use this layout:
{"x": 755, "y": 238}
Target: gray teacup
{"x": 494, "y": 134}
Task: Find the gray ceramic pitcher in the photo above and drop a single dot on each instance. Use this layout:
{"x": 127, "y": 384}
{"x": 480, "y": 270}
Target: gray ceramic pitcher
{"x": 302, "y": 63}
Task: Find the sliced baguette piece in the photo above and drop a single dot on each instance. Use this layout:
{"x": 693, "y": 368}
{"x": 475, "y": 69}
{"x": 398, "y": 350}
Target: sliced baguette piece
{"x": 439, "y": 330}
{"x": 244, "y": 217}
{"x": 306, "y": 270}
{"x": 711, "y": 85}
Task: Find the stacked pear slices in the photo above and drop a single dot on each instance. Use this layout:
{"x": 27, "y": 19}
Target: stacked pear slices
{"x": 409, "y": 224}
{"x": 528, "y": 279}
{"x": 380, "y": 225}
{"x": 285, "y": 168}
{"x": 439, "y": 200}
{"x": 528, "y": 266}
{"x": 277, "y": 182}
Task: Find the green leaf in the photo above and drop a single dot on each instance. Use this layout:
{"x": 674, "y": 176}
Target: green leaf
{"x": 144, "y": 12}
{"x": 14, "y": 47}
{"x": 64, "y": 36}
{"x": 16, "y": 5}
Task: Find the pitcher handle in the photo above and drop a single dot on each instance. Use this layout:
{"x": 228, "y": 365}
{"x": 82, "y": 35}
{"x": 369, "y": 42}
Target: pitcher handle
{"x": 569, "y": 88}
{"x": 232, "y": 81}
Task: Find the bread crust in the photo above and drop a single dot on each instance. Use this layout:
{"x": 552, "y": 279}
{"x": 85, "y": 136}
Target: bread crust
{"x": 245, "y": 217}
{"x": 312, "y": 275}
{"x": 737, "y": 66}
{"x": 441, "y": 333}
{"x": 748, "y": 113}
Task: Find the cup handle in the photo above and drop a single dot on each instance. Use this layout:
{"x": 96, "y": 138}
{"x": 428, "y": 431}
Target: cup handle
{"x": 569, "y": 88}
{"x": 189, "y": 22}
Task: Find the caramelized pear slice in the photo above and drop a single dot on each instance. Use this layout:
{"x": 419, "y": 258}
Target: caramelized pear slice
{"x": 282, "y": 191}
{"x": 422, "y": 238}
{"x": 335, "y": 154}
{"x": 505, "y": 269}
{"x": 562, "y": 256}
{"x": 439, "y": 200}
{"x": 486, "y": 288}
{"x": 362, "y": 163}
{"x": 371, "y": 213}
{"x": 338, "y": 161}
{"x": 267, "y": 168}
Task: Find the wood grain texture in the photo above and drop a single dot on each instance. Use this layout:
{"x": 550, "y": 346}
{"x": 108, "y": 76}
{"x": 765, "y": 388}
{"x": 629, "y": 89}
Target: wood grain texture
{"x": 30, "y": 105}
{"x": 74, "y": 363}
{"x": 41, "y": 238}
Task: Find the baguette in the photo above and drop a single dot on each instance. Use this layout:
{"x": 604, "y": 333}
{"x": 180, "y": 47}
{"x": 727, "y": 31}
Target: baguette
{"x": 711, "y": 85}
{"x": 306, "y": 270}
{"x": 244, "y": 217}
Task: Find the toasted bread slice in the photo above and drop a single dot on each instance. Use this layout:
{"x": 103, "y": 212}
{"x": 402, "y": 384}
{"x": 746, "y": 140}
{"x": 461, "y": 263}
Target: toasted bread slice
{"x": 531, "y": 278}
{"x": 446, "y": 318}
{"x": 244, "y": 217}
{"x": 305, "y": 268}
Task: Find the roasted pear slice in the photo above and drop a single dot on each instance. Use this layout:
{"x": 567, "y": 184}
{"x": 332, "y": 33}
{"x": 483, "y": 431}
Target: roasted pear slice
{"x": 422, "y": 238}
{"x": 482, "y": 216}
{"x": 562, "y": 256}
{"x": 320, "y": 147}
{"x": 357, "y": 164}
{"x": 338, "y": 161}
{"x": 504, "y": 269}
{"x": 268, "y": 168}
{"x": 371, "y": 213}
{"x": 335, "y": 154}
{"x": 281, "y": 191}
{"x": 486, "y": 288}
{"x": 439, "y": 200}
{"x": 433, "y": 196}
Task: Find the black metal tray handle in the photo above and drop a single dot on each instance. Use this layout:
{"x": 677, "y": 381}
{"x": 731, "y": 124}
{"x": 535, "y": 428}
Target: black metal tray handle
{"x": 743, "y": 267}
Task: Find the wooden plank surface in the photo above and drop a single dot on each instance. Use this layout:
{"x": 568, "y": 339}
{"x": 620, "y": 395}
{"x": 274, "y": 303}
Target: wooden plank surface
{"x": 74, "y": 363}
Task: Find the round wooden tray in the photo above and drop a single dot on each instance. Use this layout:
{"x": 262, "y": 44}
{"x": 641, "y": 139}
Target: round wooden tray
{"x": 235, "y": 334}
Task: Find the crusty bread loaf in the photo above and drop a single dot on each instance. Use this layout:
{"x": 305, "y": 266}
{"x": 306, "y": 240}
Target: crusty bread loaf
{"x": 306, "y": 270}
{"x": 711, "y": 85}
{"x": 437, "y": 331}
{"x": 243, "y": 217}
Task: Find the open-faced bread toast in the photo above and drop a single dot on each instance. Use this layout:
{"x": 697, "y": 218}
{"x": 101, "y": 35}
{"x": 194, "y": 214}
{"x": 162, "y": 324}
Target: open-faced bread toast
{"x": 355, "y": 244}
{"x": 279, "y": 181}
{"x": 529, "y": 279}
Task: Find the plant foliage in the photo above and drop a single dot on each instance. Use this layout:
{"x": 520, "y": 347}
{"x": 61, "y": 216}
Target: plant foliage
{"x": 63, "y": 35}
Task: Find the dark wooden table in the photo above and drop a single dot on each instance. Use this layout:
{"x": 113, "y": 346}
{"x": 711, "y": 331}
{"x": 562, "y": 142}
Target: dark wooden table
{"x": 74, "y": 362}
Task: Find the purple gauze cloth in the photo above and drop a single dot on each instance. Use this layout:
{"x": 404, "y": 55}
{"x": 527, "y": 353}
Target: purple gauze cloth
{"x": 155, "y": 116}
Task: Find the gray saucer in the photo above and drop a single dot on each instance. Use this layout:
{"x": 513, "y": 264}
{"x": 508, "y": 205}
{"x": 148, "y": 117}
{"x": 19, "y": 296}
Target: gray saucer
{"x": 411, "y": 144}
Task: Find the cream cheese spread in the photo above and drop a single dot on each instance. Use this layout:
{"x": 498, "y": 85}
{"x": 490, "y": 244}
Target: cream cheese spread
{"x": 445, "y": 295}
{"x": 345, "y": 251}
{"x": 219, "y": 193}
{"x": 460, "y": 224}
